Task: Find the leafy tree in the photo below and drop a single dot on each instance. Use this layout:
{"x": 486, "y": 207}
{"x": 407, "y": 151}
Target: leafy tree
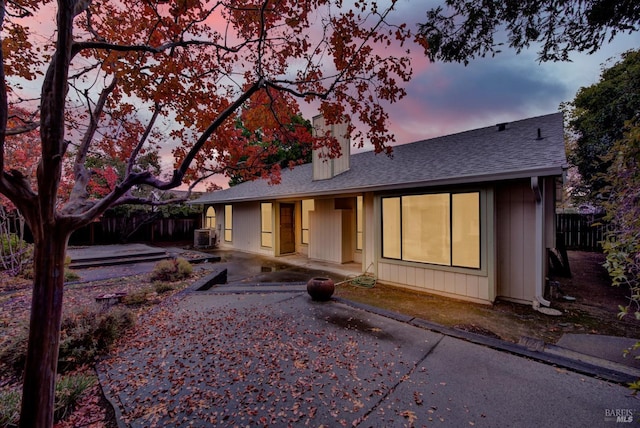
{"x": 605, "y": 120}
{"x": 132, "y": 217}
{"x": 622, "y": 205}
{"x": 123, "y": 78}
{"x": 281, "y": 146}
{"x": 22, "y": 158}
{"x": 468, "y": 29}
{"x": 597, "y": 117}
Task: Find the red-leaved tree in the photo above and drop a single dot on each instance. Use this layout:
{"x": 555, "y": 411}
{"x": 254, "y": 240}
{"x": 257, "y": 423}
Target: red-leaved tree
{"x": 22, "y": 157}
{"x": 120, "y": 78}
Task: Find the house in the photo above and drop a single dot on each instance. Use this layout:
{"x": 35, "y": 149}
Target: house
{"x": 469, "y": 215}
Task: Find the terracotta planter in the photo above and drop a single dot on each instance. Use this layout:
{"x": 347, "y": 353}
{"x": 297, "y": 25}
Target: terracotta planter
{"x": 320, "y": 289}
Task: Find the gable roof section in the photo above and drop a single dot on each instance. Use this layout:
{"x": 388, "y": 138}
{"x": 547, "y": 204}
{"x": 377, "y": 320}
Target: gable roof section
{"x": 480, "y": 155}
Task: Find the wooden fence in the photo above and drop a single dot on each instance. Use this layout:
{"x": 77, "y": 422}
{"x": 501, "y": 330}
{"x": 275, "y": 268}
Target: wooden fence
{"x": 580, "y": 231}
{"x": 112, "y": 230}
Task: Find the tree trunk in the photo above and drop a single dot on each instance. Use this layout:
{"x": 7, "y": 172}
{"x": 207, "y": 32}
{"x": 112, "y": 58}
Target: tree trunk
{"x": 38, "y": 391}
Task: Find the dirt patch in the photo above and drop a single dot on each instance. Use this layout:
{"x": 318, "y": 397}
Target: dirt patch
{"x": 594, "y": 309}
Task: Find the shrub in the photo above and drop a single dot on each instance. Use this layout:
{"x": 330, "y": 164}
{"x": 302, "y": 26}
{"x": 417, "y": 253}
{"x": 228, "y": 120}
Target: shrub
{"x": 162, "y": 270}
{"x": 112, "y": 325}
{"x": 85, "y": 335}
{"x": 14, "y": 354}
{"x": 69, "y": 389}
{"x": 89, "y": 333}
{"x": 171, "y": 270}
{"x": 16, "y": 255}
{"x": 11, "y": 242}
{"x": 163, "y": 287}
{"x": 69, "y": 275}
{"x": 136, "y": 298}
{"x": 184, "y": 268}
{"x": 9, "y": 408}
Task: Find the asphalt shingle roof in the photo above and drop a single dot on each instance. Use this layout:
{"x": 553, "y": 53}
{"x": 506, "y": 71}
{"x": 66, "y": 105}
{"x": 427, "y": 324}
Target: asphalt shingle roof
{"x": 480, "y": 155}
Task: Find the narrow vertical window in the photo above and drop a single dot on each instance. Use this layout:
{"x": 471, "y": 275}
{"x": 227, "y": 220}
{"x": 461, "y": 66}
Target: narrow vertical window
{"x": 228, "y": 222}
{"x": 465, "y": 230}
{"x": 210, "y": 218}
{"x": 307, "y": 205}
{"x": 266, "y": 222}
{"x": 391, "y": 228}
{"x": 359, "y": 223}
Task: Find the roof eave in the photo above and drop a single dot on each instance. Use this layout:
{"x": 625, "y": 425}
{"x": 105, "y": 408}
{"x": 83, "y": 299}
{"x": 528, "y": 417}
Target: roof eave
{"x": 453, "y": 181}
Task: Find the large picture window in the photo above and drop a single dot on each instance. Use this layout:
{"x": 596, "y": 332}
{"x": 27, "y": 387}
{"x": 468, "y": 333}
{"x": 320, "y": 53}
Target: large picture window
{"x": 441, "y": 228}
{"x": 228, "y": 223}
{"x": 266, "y": 222}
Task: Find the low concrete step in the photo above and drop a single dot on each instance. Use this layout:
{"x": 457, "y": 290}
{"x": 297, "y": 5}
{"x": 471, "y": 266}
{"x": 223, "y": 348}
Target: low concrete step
{"x": 108, "y": 255}
{"x": 112, "y": 261}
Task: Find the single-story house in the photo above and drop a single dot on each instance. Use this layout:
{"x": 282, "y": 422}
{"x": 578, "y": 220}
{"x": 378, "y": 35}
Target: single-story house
{"x": 469, "y": 215}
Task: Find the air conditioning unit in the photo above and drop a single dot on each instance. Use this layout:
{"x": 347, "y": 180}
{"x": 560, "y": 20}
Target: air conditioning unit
{"x": 204, "y": 238}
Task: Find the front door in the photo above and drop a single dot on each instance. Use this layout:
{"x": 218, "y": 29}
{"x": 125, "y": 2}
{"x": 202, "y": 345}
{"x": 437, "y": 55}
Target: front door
{"x": 287, "y": 229}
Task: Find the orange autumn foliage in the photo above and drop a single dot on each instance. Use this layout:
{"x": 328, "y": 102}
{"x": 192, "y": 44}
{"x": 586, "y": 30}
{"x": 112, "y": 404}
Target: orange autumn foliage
{"x": 117, "y": 80}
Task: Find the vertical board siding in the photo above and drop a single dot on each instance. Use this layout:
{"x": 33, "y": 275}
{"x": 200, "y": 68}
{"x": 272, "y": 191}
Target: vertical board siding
{"x": 411, "y": 276}
{"x": 515, "y": 222}
{"x": 473, "y": 286}
{"x": 325, "y": 232}
{"x": 460, "y": 281}
{"x": 438, "y": 280}
{"x": 246, "y": 229}
{"x": 457, "y": 284}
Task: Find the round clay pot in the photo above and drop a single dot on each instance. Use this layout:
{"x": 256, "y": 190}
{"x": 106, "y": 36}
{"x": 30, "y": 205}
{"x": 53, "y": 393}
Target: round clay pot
{"x": 320, "y": 289}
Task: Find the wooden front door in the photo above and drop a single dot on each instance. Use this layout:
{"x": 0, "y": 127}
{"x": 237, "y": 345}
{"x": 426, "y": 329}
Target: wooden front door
{"x": 287, "y": 229}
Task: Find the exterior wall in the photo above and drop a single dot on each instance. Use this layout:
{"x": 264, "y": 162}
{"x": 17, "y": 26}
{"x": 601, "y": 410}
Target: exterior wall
{"x": 510, "y": 222}
{"x": 467, "y": 286}
{"x": 245, "y": 229}
{"x": 330, "y": 232}
{"x": 516, "y": 252}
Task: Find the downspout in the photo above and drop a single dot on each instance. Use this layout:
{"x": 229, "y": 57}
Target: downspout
{"x": 535, "y": 186}
{"x": 539, "y": 246}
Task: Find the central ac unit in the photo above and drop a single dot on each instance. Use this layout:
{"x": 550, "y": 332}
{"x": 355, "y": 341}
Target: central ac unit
{"x": 202, "y": 238}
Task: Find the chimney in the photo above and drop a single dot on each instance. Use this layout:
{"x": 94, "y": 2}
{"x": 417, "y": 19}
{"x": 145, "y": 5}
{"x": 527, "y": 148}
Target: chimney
{"x": 323, "y": 166}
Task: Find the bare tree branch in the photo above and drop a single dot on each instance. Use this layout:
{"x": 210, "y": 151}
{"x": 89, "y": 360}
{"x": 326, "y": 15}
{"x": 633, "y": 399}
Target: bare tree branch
{"x": 143, "y": 139}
